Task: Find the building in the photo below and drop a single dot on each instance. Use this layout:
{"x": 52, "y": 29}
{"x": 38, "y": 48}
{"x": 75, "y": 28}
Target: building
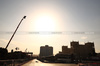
{"x": 20, "y": 55}
{"x": 3, "y": 53}
{"x": 79, "y": 50}
{"x": 66, "y": 50}
{"x": 46, "y": 51}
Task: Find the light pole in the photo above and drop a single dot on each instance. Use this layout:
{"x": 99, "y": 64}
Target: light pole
{"x": 15, "y": 31}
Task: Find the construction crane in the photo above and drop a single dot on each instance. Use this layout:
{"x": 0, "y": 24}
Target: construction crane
{"x": 15, "y": 31}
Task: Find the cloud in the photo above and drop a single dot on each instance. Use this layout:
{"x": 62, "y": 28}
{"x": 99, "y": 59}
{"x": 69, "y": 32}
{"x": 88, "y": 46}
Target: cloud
{"x": 84, "y": 37}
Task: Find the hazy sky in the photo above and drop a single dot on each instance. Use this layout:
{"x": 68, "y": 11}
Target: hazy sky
{"x": 75, "y": 19}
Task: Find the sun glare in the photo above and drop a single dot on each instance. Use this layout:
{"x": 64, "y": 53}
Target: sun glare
{"x": 45, "y": 23}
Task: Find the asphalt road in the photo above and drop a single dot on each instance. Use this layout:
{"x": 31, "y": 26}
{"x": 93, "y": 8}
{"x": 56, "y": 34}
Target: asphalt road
{"x": 36, "y": 62}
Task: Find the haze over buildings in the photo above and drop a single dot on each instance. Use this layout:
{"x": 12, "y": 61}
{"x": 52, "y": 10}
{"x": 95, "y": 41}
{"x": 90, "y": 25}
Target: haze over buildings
{"x": 78, "y": 19}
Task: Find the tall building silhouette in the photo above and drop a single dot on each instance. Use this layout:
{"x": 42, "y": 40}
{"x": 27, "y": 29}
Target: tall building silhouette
{"x": 79, "y": 50}
{"x": 46, "y": 51}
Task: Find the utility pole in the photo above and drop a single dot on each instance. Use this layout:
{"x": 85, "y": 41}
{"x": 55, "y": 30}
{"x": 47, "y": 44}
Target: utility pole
{"x": 15, "y": 31}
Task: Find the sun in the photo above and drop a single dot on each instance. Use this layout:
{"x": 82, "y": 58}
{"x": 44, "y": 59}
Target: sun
{"x": 45, "y": 23}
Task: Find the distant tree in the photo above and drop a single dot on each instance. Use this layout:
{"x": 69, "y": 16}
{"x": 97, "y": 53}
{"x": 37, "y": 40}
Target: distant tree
{"x": 17, "y": 48}
{"x": 12, "y": 51}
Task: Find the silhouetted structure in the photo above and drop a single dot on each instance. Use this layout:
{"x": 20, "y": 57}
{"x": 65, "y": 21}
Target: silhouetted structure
{"x": 15, "y": 31}
{"x": 64, "y": 58}
{"x": 80, "y": 51}
{"x": 46, "y": 51}
{"x": 3, "y": 53}
{"x": 20, "y": 55}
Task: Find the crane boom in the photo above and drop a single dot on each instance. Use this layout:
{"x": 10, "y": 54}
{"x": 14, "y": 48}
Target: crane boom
{"x": 15, "y": 31}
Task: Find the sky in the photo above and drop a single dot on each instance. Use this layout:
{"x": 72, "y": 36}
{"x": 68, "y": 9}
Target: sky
{"x": 49, "y": 22}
